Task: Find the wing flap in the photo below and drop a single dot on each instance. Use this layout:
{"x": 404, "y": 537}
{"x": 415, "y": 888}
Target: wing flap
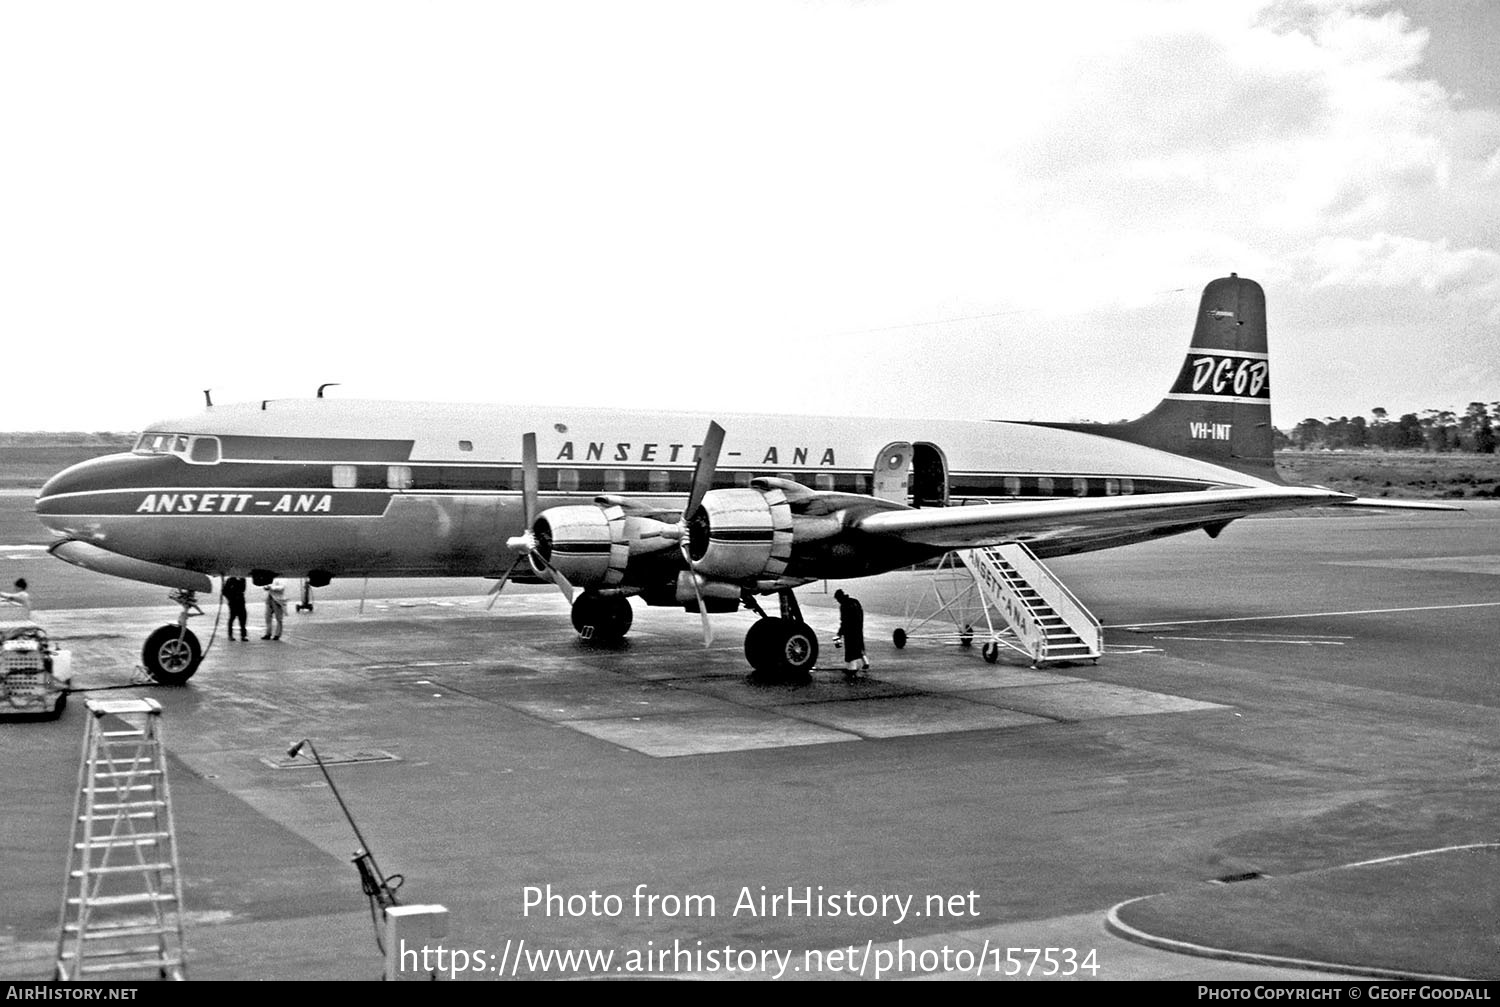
{"x": 1042, "y": 520}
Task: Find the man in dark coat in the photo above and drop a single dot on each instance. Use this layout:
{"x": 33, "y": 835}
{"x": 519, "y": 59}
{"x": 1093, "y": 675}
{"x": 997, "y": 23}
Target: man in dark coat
{"x": 852, "y": 632}
{"x": 234, "y": 593}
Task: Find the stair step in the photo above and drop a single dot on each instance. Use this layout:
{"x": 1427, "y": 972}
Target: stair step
{"x": 127, "y": 900}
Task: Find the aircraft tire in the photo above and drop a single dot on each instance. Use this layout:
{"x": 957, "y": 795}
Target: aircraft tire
{"x": 602, "y": 619}
{"x": 899, "y": 638}
{"x": 792, "y": 652}
{"x": 760, "y": 641}
{"x": 171, "y": 655}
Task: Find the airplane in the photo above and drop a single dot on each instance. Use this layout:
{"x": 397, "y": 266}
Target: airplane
{"x": 673, "y": 509}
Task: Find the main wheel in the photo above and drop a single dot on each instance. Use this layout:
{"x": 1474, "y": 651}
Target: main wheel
{"x": 795, "y": 651}
{"x": 760, "y": 643}
{"x": 171, "y": 655}
{"x": 602, "y": 618}
{"x": 899, "y": 638}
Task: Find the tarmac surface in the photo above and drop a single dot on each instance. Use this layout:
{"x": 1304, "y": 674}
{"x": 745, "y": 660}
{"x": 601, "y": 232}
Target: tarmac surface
{"x": 1286, "y": 766}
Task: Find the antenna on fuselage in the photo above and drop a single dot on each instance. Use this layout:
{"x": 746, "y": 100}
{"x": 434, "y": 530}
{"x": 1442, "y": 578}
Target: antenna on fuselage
{"x": 208, "y": 397}
{"x": 326, "y": 384}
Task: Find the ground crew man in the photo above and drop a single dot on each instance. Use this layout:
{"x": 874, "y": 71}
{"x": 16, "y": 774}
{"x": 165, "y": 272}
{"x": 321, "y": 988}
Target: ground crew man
{"x": 852, "y": 633}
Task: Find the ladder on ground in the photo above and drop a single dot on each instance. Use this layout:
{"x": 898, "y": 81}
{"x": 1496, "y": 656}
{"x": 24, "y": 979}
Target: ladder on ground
{"x": 1047, "y": 621}
{"x": 121, "y": 913}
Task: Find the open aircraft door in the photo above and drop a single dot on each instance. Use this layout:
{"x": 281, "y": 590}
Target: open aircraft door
{"x": 893, "y": 473}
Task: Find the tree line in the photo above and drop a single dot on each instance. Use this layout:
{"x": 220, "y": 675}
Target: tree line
{"x": 1438, "y": 430}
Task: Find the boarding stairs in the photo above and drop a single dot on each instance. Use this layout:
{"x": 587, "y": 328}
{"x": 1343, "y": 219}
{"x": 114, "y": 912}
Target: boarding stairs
{"x": 121, "y": 913}
{"x": 1046, "y": 621}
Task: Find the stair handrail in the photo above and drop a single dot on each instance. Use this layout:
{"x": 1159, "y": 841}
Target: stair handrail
{"x": 1055, "y": 593}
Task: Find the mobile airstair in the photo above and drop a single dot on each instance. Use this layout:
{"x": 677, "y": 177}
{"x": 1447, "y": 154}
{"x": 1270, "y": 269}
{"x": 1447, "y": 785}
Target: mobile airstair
{"x": 1005, "y": 595}
{"x": 121, "y": 913}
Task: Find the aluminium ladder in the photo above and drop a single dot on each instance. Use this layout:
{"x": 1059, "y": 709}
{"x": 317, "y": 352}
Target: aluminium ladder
{"x": 121, "y": 912}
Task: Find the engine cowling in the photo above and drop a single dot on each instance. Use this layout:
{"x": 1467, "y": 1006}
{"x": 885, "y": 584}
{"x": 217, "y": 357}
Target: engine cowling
{"x": 585, "y": 544}
{"x": 593, "y": 544}
{"x": 741, "y": 534}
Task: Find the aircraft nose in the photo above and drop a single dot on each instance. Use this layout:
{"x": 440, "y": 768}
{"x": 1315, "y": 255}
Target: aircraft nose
{"x": 79, "y": 490}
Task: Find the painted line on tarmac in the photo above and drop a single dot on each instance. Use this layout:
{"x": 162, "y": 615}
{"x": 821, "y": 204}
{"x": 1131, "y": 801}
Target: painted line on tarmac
{"x": 1305, "y": 615}
{"x": 1245, "y": 639}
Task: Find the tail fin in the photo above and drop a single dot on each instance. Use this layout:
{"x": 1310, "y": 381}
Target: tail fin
{"x": 1219, "y": 408}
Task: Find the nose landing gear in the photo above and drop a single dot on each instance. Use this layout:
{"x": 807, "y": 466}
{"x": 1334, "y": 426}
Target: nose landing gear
{"x": 172, "y": 653}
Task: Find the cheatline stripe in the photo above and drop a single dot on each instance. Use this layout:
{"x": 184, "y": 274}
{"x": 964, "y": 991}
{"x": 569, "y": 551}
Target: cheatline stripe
{"x": 1264, "y": 400}
{"x": 1211, "y": 351}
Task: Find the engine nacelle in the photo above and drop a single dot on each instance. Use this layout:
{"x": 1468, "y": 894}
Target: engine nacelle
{"x": 739, "y": 534}
{"x": 592, "y": 544}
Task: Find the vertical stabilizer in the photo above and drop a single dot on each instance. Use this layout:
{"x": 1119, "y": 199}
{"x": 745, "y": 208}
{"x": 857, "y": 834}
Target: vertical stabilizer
{"x": 1219, "y": 408}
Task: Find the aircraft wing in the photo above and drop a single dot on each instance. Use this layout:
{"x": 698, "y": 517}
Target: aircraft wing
{"x": 1086, "y": 517}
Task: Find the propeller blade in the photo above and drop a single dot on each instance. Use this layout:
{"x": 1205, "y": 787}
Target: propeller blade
{"x": 708, "y": 626}
{"x": 546, "y": 570}
{"x": 703, "y": 473}
{"x": 500, "y": 584}
{"x": 530, "y": 478}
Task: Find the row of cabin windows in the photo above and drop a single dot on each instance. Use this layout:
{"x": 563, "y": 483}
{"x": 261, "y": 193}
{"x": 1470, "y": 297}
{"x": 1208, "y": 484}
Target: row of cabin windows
{"x": 568, "y": 480}
{"x": 1044, "y": 486}
{"x": 573, "y": 480}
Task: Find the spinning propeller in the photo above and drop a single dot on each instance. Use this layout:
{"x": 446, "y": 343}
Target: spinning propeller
{"x": 524, "y": 545}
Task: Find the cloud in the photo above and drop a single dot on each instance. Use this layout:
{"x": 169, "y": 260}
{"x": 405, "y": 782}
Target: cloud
{"x": 595, "y": 202}
{"x": 1395, "y": 261}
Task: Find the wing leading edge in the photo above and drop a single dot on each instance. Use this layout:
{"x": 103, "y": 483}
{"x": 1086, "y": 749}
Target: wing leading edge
{"x": 1091, "y": 518}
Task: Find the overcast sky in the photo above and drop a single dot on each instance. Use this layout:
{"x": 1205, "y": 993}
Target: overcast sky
{"x": 969, "y": 210}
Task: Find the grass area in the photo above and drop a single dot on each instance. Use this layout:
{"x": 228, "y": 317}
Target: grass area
{"x": 1408, "y": 474}
{"x": 28, "y": 459}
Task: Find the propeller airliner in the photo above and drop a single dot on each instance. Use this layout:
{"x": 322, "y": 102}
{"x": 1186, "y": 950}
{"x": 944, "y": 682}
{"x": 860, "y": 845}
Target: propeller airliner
{"x": 708, "y": 514}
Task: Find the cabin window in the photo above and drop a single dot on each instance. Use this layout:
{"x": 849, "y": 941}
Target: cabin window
{"x": 823, "y": 481}
{"x": 1111, "y": 487}
{"x": 205, "y": 450}
{"x": 1127, "y": 486}
{"x": 466, "y": 445}
{"x": 1044, "y": 486}
{"x": 398, "y": 477}
{"x": 345, "y": 477}
{"x": 567, "y": 480}
{"x": 660, "y": 481}
{"x": 1080, "y": 487}
{"x": 743, "y": 477}
{"x": 614, "y": 480}
{"x": 1013, "y": 486}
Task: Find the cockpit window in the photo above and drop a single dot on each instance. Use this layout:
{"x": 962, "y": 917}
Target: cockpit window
{"x": 205, "y": 450}
{"x": 200, "y": 449}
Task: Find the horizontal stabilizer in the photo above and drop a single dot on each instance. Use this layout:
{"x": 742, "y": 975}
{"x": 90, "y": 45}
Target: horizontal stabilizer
{"x": 1380, "y": 503}
{"x": 91, "y": 557}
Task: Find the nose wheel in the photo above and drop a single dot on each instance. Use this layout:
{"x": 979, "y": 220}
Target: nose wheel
{"x": 172, "y": 653}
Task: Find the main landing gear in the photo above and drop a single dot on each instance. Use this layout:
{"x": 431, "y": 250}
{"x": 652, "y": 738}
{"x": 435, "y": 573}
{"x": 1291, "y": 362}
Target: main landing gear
{"x": 602, "y": 618}
{"x": 172, "y": 653}
{"x": 781, "y": 649}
